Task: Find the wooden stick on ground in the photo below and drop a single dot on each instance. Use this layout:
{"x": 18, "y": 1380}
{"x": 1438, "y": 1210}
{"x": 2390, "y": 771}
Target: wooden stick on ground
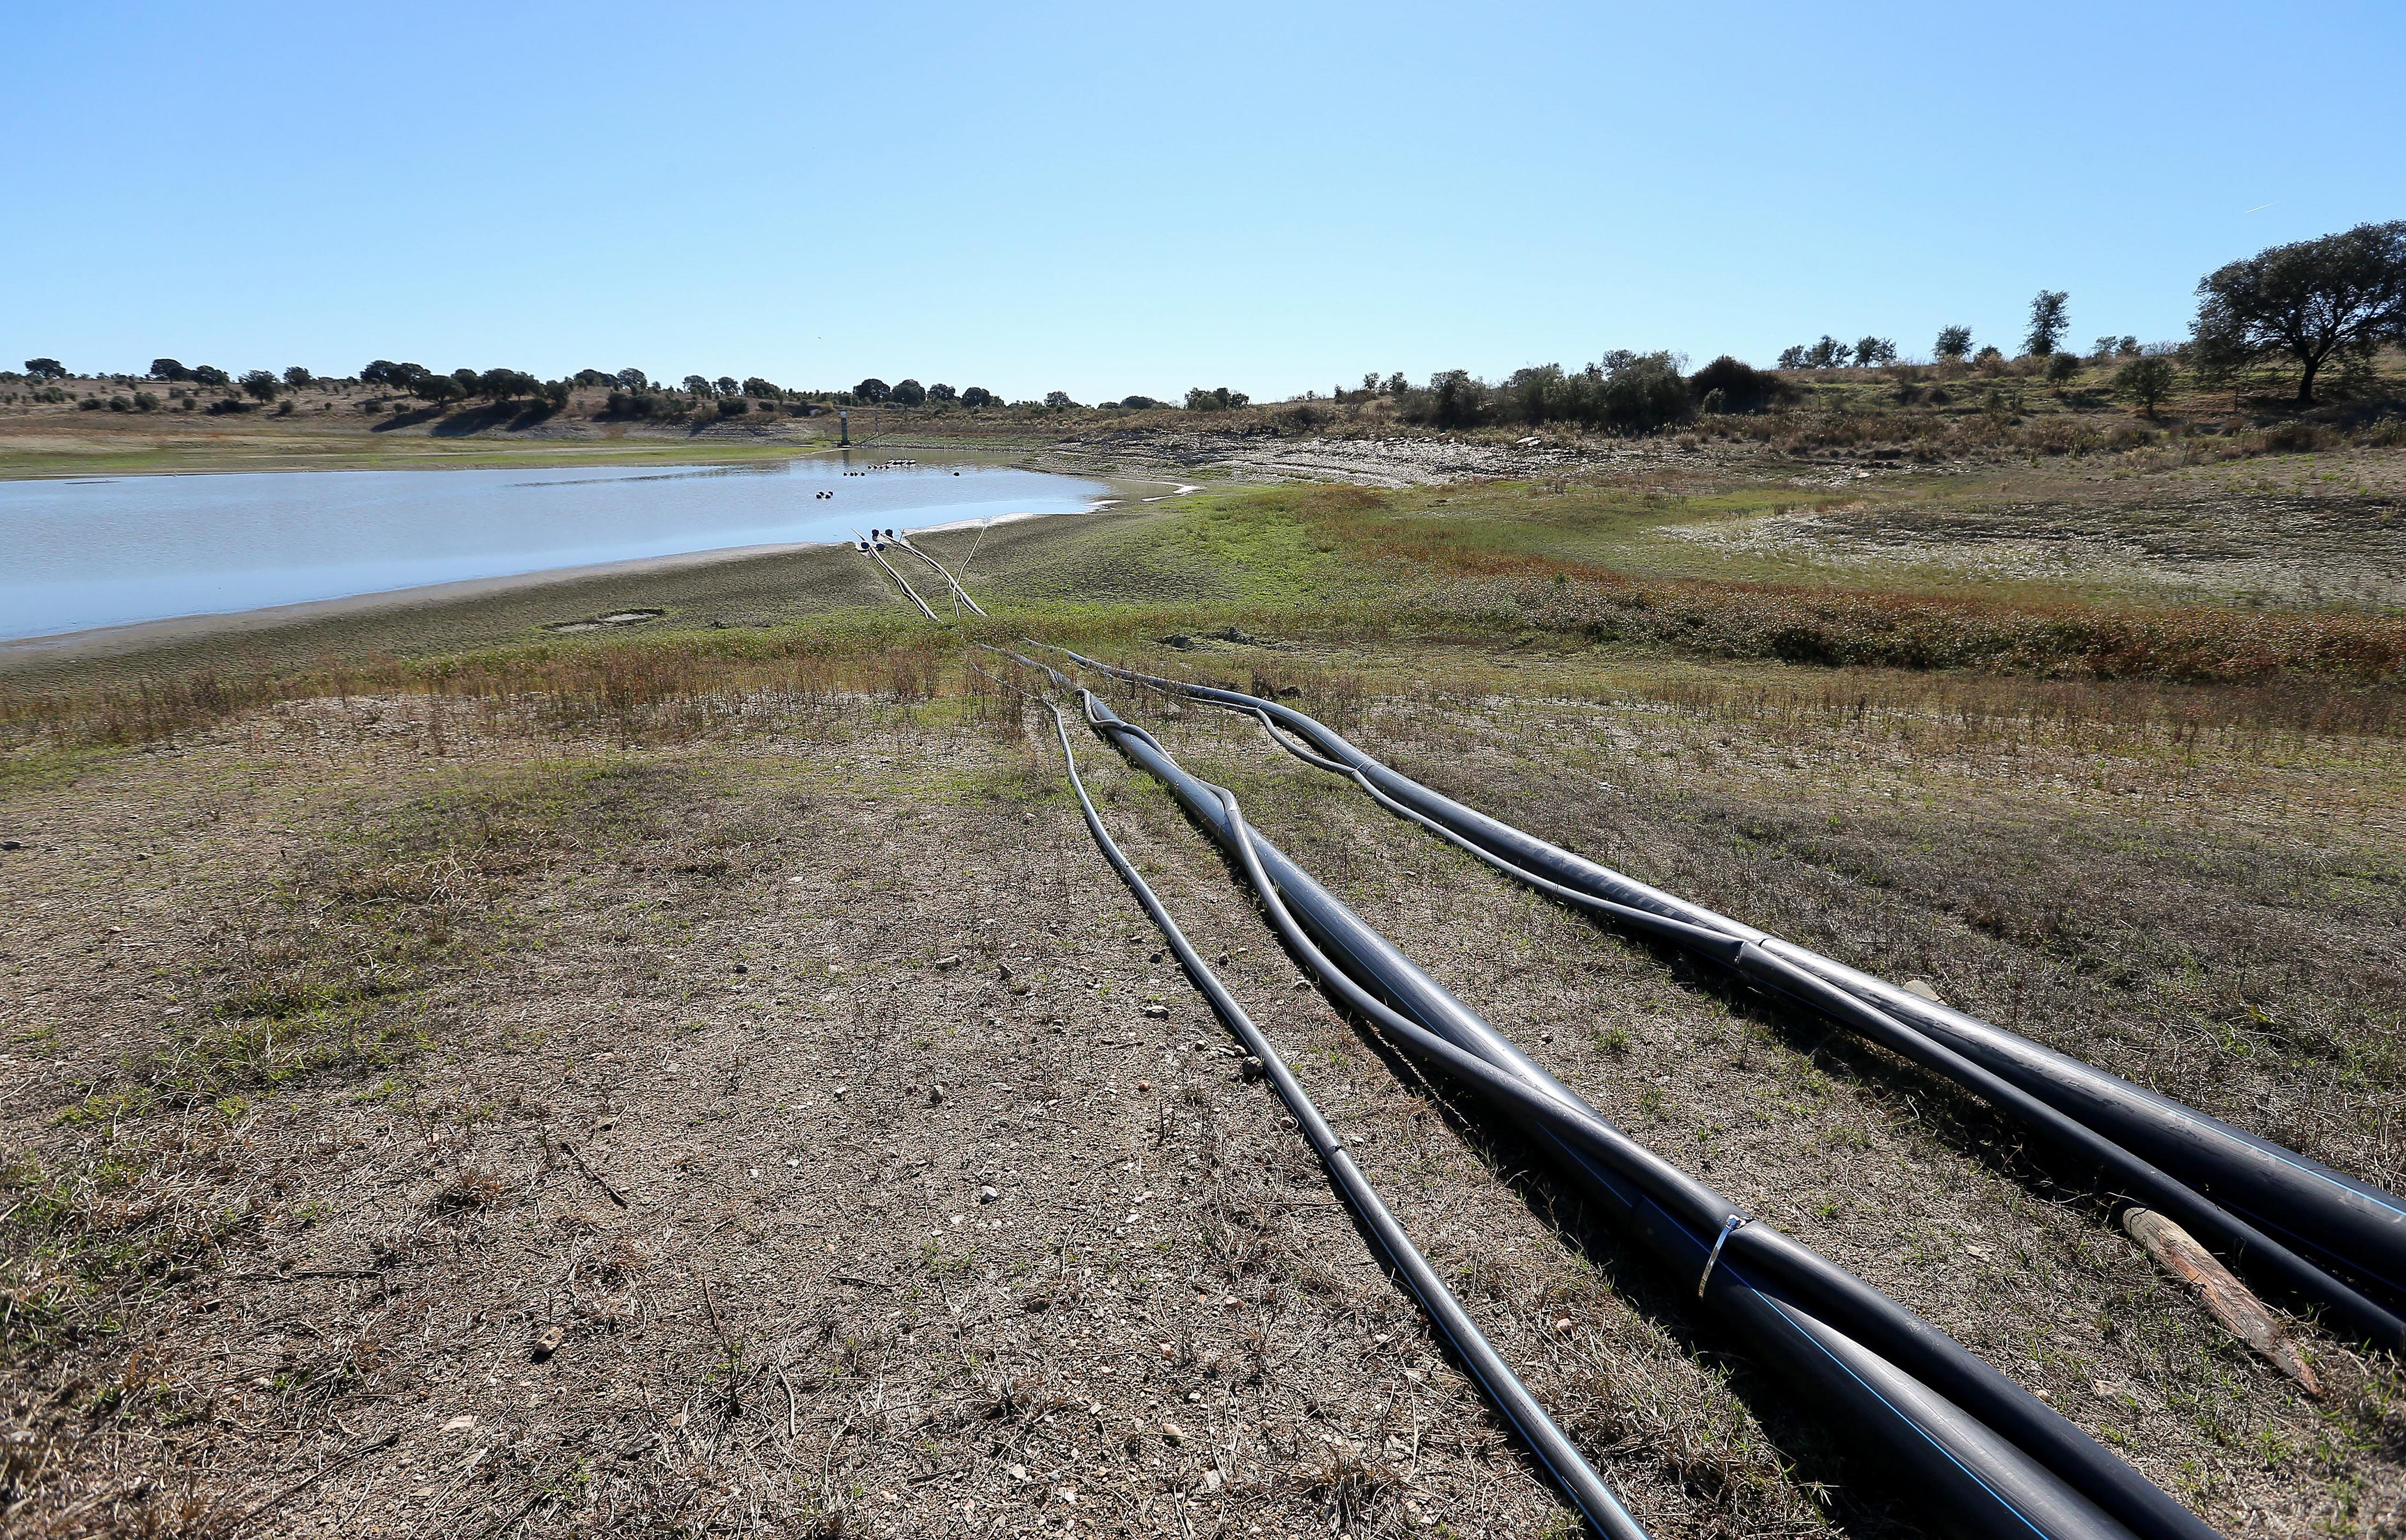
{"x": 2231, "y": 1300}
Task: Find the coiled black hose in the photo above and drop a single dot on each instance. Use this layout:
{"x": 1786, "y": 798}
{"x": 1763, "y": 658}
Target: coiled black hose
{"x": 2256, "y": 1202}
{"x": 1987, "y": 1457}
{"x": 1560, "y": 1457}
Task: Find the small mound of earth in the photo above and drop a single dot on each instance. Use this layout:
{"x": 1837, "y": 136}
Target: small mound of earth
{"x": 616, "y": 617}
{"x": 1226, "y": 636}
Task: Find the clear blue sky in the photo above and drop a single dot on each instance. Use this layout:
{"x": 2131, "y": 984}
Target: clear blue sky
{"x": 1142, "y": 198}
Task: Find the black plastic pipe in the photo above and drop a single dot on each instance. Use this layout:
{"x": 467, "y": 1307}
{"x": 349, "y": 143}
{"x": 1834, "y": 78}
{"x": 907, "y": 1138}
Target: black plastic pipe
{"x": 958, "y": 592}
{"x": 2023, "y": 1471}
{"x": 1570, "y": 1470}
{"x": 2273, "y": 1201}
{"x": 878, "y": 557}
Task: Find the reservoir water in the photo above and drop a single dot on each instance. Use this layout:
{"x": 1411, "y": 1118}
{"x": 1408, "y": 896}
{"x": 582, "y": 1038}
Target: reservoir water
{"x": 75, "y": 555}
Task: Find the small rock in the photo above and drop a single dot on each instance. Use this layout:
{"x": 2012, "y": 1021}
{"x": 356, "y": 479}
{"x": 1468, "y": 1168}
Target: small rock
{"x": 1172, "y": 1434}
{"x": 839, "y": 1093}
{"x": 1002, "y": 971}
{"x": 1253, "y": 1069}
{"x": 945, "y": 964}
{"x": 460, "y": 1423}
{"x": 1303, "y": 983}
{"x": 1144, "y": 1085}
{"x": 1158, "y": 1012}
{"x": 1922, "y": 988}
{"x": 1561, "y": 1323}
{"x": 11, "y": 844}
{"x": 1212, "y": 1479}
{"x": 935, "y": 1095}
{"x": 548, "y": 1341}
{"x": 742, "y": 967}
{"x": 987, "y": 1194}
{"x": 1156, "y": 956}
{"x": 1019, "y": 1472}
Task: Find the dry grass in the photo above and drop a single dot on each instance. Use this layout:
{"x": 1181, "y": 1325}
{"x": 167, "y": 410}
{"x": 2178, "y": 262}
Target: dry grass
{"x": 413, "y": 942}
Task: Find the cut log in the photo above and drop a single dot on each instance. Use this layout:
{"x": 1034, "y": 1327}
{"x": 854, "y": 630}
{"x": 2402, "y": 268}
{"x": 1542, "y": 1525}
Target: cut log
{"x": 2231, "y": 1300}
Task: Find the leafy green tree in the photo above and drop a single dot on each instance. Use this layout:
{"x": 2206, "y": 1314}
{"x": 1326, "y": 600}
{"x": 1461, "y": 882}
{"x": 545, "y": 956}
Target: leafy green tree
{"x": 1058, "y": 399}
{"x": 2061, "y": 368}
{"x": 437, "y": 389}
{"x": 2334, "y": 299}
{"x": 697, "y": 385}
{"x": 170, "y": 371}
{"x": 756, "y": 386}
{"x": 507, "y": 384}
{"x": 296, "y": 377}
{"x": 728, "y": 385}
{"x": 1874, "y": 351}
{"x": 1456, "y": 399}
{"x": 2049, "y": 318}
{"x": 977, "y": 396}
{"x": 2146, "y": 381}
{"x": 593, "y": 377}
{"x": 1219, "y": 399}
{"x": 209, "y": 373}
{"x": 1954, "y": 342}
{"x": 46, "y": 369}
{"x": 259, "y": 384}
{"x": 908, "y": 393}
{"x": 1741, "y": 386}
{"x": 871, "y": 390}
{"x": 1829, "y": 353}
{"x": 941, "y": 391}
{"x": 633, "y": 381}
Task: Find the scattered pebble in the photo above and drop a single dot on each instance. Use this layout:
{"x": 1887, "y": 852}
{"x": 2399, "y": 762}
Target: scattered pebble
{"x": 548, "y": 1341}
{"x": 1253, "y": 1069}
{"x": 1172, "y": 1434}
{"x": 945, "y": 964}
{"x": 1144, "y": 1085}
{"x": 460, "y": 1423}
{"x": 987, "y": 1194}
{"x": 1563, "y": 1323}
{"x": 1158, "y": 1012}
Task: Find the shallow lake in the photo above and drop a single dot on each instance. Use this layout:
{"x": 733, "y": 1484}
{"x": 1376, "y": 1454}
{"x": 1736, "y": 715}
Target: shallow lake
{"x": 75, "y": 555}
